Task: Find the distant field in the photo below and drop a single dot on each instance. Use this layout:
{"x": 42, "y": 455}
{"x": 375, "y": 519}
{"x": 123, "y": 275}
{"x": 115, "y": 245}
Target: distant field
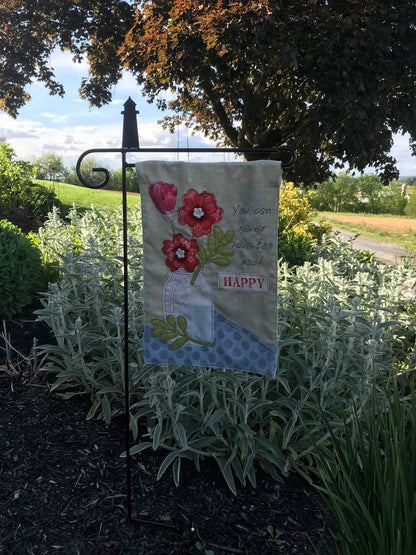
{"x": 399, "y": 230}
{"x": 390, "y": 224}
{"x": 84, "y": 197}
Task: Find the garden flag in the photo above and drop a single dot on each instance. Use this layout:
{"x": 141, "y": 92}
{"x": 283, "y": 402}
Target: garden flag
{"x": 210, "y": 263}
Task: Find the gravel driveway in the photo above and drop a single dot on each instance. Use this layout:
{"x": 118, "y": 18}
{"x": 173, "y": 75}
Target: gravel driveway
{"x": 385, "y": 252}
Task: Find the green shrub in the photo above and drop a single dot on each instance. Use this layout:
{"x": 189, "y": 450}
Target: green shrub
{"x": 297, "y": 232}
{"x": 21, "y": 202}
{"x": 410, "y": 209}
{"x": 391, "y": 200}
{"x": 341, "y": 320}
{"x": 336, "y": 195}
{"x": 366, "y": 193}
{"x": 21, "y": 271}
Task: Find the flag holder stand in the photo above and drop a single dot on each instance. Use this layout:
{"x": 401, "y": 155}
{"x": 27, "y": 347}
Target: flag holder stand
{"x": 130, "y": 144}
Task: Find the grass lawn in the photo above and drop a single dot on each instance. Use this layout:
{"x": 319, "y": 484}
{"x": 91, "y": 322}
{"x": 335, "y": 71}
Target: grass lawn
{"x": 84, "y": 197}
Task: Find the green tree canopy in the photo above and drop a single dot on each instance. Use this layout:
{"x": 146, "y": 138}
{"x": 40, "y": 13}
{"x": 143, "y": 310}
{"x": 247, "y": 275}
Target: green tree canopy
{"x": 51, "y": 166}
{"x": 334, "y": 79}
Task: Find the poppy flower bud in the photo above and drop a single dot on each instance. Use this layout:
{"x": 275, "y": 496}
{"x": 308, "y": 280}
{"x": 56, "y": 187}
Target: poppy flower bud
{"x": 163, "y": 196}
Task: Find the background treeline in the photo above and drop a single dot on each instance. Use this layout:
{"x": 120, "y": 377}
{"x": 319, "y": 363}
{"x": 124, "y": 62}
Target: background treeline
{"x": 344, "y": 193}
{"x": 366, "y": 193}
{"x": 26, "y": 202}
{"x": 52, "y": 168}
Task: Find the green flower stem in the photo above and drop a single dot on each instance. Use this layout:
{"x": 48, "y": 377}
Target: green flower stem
{"x": 215, "y": 251}
{"x": 204, "y": 343}
{"x": 196, "y": 272}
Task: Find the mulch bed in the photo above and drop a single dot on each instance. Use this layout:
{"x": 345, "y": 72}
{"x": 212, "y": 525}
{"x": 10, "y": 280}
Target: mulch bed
{"x": 63, "y": 484}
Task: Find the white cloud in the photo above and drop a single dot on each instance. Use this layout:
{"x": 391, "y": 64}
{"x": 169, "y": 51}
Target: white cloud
{"x": 62, "y": 61}
{"x": 55, "y": 118}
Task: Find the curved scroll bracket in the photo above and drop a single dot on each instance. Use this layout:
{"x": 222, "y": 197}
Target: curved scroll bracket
{"x": 293, "y": 156}
{"x": 106, "y": 173}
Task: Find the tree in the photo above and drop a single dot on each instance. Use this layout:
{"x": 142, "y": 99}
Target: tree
{"x": 132, "y": 183}
{"x": 336, "y": 195}
{"x": 371, "y": 191}
{"x": 51, "y": 167}
{"x": 332, "y": 79}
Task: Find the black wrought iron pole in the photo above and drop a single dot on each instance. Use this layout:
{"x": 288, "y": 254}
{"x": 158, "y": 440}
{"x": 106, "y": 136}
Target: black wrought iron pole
{"x": 126, "y": 336}
{"x": 130, "y": 142}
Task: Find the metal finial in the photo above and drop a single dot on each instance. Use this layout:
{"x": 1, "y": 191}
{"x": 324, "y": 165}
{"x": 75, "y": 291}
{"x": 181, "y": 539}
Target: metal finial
{"x": 130, "y": 133}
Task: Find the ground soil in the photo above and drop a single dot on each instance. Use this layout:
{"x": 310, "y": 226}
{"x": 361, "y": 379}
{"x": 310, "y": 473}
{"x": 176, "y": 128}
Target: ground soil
{"x": 390, "y": 224}
{"x": 62, "y": 482}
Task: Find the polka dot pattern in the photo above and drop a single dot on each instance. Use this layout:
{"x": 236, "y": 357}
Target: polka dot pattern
{"x": 234, "y": 348}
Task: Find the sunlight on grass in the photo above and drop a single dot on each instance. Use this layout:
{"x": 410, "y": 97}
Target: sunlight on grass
{"x": 84, "y": 197}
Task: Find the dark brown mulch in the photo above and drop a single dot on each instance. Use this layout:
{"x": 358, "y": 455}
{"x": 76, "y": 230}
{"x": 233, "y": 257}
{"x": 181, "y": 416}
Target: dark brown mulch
{"x": 62, "y": 485}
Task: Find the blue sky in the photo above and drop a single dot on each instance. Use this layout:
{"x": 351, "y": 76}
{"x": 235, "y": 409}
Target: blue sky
{"x": 68, "y": 126}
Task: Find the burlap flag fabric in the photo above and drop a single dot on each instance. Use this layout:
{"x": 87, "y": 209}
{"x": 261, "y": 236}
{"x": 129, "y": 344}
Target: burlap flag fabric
{"x": 210, "y": 263}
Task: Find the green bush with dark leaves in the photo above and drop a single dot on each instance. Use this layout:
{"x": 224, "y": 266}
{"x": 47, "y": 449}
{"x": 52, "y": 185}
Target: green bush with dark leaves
{"x": 21, "y": 270}
{"x": 21, "y": 202}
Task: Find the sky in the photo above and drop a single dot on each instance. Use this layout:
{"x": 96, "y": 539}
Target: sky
{"x": 68, "y": 126}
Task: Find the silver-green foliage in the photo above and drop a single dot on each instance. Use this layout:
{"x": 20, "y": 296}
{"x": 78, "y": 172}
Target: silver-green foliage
{"x": 340, "y": 324}
{"x": 84, "y": 307}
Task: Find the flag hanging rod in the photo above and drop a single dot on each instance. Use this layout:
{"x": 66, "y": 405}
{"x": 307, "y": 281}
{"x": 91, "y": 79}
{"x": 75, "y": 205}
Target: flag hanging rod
{"x": 141, "y": 150}
{"x": 130, "y": 143}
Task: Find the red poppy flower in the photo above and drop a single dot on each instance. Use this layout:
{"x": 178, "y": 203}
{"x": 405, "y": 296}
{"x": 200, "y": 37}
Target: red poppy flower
{"x": 163, "y": 196}
{"x": 180, "y": 253}
{"x": 200, "y": 212}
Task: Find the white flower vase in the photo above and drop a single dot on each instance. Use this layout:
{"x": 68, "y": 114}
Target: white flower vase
{"x": 193, "y": 302}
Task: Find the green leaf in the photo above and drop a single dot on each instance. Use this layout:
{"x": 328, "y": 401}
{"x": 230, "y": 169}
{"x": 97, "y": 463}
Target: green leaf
{"x": 69, "y": 394}
{"x": 157, "y": 331}
{"x": 214, "y": 419}
{"x": 222, "y": 261}
{"x": 137, "y": 448}
{"x": 171, "y": 321}
{"x": 168, "y": 335}
{"x": 178, "y": 343}
{"x": 212, "y": 244}
{"x": 156, "y": 436}
{"x": 182, "y": 324}
{"x": 227, "y": 473}
{"x": 225, "y": 252}
{"x": 181, "y": 434}
{"x": 105, "y": 405}
{"x": 166, "y": 462}
{"x": 93, "y": 410}
{"x": 228, "y": 237}
{"x": 218, "y": 233}
{"x": 58, "y": 383}
{"x": 159, "y": 323}
{"x": 176, "y": 471}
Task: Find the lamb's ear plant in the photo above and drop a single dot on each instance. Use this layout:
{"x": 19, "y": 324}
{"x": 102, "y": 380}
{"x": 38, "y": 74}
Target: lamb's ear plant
{"x": 370, "y": 480}
{"x": 341, "y": 321}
